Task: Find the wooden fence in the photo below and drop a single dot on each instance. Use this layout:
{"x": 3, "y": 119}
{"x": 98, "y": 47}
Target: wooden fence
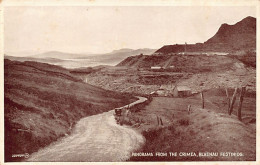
{"x": 232, "y": 101}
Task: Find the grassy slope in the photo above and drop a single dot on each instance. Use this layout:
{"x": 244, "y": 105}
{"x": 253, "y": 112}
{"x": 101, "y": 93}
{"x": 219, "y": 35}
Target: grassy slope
{"x": 203, "y": 130}
{"x": 43, "y": 102}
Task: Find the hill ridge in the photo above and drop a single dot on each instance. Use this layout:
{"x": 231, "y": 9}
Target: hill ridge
{"x": 228, "y": 38}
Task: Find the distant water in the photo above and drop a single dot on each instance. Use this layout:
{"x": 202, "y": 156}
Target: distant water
{"x": 78, "y": 63}
{"x": 68, "y": 63}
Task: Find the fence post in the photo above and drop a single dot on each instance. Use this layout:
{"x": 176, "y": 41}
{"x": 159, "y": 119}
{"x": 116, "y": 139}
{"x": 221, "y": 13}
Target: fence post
{"x": 228, "y": 99}
{"x": 242, "y": 93}
{"x": 189, "y": 106}
{"x": 202, "y": 99}
{"x": 232, "y": 102}
{"x": 158, "y": 120}
{"x": 161, "y": 121}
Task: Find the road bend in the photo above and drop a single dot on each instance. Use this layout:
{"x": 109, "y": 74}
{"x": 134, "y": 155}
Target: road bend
{"x": 94, "y": 138}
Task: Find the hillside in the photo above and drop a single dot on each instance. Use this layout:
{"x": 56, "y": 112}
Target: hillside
{"x": 43, "y": 102}
{"x": 229, "y": 38}
{"x": 208, "y": 130}
{"x": 180, "y": 63}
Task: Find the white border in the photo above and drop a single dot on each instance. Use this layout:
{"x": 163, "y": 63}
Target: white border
{"x": 6, "y": 3}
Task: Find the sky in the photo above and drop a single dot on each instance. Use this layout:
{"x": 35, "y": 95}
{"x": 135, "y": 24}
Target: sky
{"x": 104, "y": 29}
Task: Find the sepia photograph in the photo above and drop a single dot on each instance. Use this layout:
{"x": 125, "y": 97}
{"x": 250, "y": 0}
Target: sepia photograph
{"x": 129, "y": 83}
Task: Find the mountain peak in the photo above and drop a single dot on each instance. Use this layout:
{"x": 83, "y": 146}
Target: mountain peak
{"x": 249, "y": 18}
{"x": 240, "y": 36}
{"x": 243, "y": 33}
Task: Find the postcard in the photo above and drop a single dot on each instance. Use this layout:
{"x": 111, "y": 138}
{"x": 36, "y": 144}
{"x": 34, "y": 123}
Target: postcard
{"x": 131, "y": 82}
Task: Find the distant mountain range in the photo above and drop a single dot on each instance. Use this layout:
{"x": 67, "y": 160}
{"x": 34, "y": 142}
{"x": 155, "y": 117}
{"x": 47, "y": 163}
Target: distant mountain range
{"x": 229, "y": 38}
{"x": 125, "y": 52}
{"x": 118, "y": 55}
{"x": 70, "y": 60}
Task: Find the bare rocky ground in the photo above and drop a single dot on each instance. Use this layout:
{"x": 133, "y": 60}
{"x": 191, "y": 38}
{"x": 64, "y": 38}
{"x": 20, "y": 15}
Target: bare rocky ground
{"x": 237, "y": 77}
{"x": 231, "y": 74}
{"x": 132, "y": 80}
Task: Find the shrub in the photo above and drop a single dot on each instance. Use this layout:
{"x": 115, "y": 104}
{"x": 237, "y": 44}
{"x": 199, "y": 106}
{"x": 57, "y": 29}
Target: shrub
{"x": 172, "y": 128}
{"x": 184, "y": 122}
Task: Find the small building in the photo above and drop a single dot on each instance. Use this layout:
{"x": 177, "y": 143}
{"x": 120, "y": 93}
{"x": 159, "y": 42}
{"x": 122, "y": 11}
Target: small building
{"x": 181, "y": 91}
{"x": 160, "y": 92}
{"x": 177, "y": 91}
{"x": 156, "y": 67}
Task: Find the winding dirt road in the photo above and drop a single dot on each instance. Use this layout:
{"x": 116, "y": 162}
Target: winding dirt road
{"x": 95, "y": 138}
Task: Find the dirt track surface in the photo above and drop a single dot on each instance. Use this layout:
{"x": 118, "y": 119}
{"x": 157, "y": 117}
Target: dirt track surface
{"x": 95, "y": 138}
